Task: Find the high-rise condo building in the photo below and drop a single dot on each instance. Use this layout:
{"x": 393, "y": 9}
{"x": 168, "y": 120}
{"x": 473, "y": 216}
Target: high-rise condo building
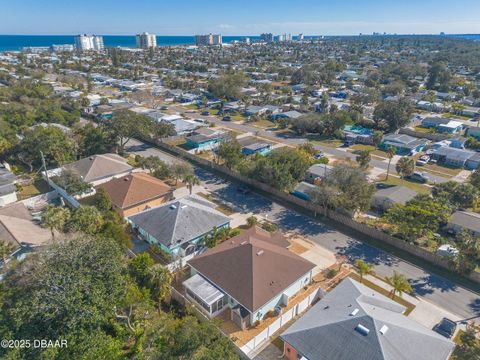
{"x": 89, "y": 42}
{"x": 209, "y": 39}
{"x": 285, "y": 38}
{"x": 146, "y": 40}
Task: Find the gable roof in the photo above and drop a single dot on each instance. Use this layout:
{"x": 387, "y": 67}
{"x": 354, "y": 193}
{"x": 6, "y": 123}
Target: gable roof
{"x": 466, "y": 220}
{"x": 179, "y": 221}
{"x": 331, "y": 329}
{"x": 252, "y": 267}
{"x": 98, "y": 167}
{"x": 135, "y": 189}
{"x": 398, "y": 194}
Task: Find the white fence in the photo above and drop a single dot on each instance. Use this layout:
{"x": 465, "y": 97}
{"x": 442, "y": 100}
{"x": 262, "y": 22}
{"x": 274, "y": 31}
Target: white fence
{"x": 282, "y": 320}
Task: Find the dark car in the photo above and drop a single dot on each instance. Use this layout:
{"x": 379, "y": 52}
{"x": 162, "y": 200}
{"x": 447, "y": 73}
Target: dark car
{"x": 419, "y": 177}
{"x": 164, "y": 107}
{"x": 446, "y": 328}
{"x": 227, "y": 118}
{"x": 205, "y": 113}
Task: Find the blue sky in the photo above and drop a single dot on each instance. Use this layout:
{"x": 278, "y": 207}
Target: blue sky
{"x": 243, "y": 17}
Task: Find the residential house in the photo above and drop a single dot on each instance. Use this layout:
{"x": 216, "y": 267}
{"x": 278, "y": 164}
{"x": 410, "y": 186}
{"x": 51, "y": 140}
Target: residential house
{"x": 261, "y": 110}
{"x": 317, "y": 172}
{"x": 251, "y": 275}
{"x": 17, "y": 227}
{"x": 451, "y": 127}
{"x": 303, "y": 190}
{"x": 179, "y": 227}
{"x": 287, "y": 115}
{"x": 464, "y": 220}
{"x": 434, "y": 122}
{"x": 384, "y": 199}
{"x": 358, "y": 134}
{"x": 457, "y": 157}
{"x": 8, "y": 189}
{"x": 404, "y": 144}
{"x": 355, "y": 322}
{"x": 97, "y": 169}
{"x": 136, "y": 192}
{"x": 473, "y": 131}
{"x": 253, "y": 145}
{"x": 205, "y": 138}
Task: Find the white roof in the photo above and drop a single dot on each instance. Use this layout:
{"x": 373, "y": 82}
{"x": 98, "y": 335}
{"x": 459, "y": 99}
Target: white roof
{"x": 203, "y": 289}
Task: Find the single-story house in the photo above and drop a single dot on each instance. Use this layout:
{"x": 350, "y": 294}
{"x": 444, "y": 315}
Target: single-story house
{"x": 384, "y": 199}
{"x": 293, "y": 114}
{"x": 136, "y": 192}
{"x": 205, "y": 138}
{"x": 358, "y": 134}
{"x": 17, "y": 227}
{"x": 97, "y": 169}
{"x": 457, "y": 157}
{"x": 8, "y": 189}
{"x": 355, "y": 322}
{"x": 179, "y": 227}
{"x": 317, "y": 171}
{"x": 404, "y": 144}
{"x": 473, "y": 131}
{"x": 253, "y": 145}
{"x": 303, "y": 190}
{"x": 451, "y": 127}
{"x": 464, "y": 220}
{"x": 434, "y": 122}
{"x": 260, "y": 110}
{"x": 250, "y": 275}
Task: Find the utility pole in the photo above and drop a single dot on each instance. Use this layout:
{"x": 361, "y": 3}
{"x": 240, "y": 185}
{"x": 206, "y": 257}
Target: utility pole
{"x": 45, "y": 168}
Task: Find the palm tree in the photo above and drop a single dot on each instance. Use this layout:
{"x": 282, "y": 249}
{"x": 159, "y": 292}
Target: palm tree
{"x": 160, "y": 280}
{"x": 364, "y": 268}
{"x": 399, "y": 283}
{"x": 6, "y": 249}
{"x": 391, "y": 151}
{"x": 55, "y": 218}
{"x": 363, "y": 159}
{"x": 191, "y": 181}
{"x": 405, "y": 167}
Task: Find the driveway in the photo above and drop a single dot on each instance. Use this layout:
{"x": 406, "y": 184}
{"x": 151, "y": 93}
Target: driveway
{"x": 435, "y": 289}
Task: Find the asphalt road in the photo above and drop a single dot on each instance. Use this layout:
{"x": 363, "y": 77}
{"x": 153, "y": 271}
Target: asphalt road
{"x": 431, "y": 287}
{"x": 282, "y": 138}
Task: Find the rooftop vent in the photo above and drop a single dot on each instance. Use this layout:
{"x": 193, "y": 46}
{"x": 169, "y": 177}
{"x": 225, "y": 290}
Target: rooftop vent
{"x": 384, "y": 329}
{"x": 173, "y": 207}
{"x": 354, "y": 312}
{"x": 260, "y": 252}
{"x": 243, "y": 242}
{"x": 362, "y": 330}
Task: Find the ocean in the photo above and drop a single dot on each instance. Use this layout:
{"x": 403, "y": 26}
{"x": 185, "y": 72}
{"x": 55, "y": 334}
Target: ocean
{"x": 17, "y": 42}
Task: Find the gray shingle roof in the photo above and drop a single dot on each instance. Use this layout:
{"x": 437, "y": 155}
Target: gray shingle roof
{"x": 98, "y": 167}
{"x": 466, "y": 220}
{"x": 329, "y": 330}
{"x": 180, "y": 221}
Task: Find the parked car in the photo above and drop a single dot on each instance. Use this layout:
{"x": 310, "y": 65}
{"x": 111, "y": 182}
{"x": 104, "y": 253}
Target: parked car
{"x": 201, "y": 121}
{"x": 420, "y": 177}
{"x": 423, "y": 160}
{"x": 227, "y": 118}
{"x": 318, "y": 155}
{"x": 164, "y": 107}
{"x": 446, "y": 327}
{"x": 348, "y": 143}
{"x": 205, "y": 113}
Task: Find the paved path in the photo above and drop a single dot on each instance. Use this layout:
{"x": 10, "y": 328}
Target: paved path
{"x": 435, "y": 289}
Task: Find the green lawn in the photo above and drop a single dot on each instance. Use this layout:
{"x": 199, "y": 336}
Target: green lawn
{"x": 419, "y": 188}
{"x": 40, "y": 186}
{"x": 263, "y": 123}
{"x": 331, "y": 143}
{"x": 423, "y": 130}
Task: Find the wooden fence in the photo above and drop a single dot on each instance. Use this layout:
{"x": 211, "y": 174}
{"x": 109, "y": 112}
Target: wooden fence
{"x": 335, "y": 216}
